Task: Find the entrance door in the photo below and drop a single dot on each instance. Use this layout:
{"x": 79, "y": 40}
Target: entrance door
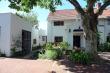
{"x": 26, "y": 41}
{"x": 76, "y": 41}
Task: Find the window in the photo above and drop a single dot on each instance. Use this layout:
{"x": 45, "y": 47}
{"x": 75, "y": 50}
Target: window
{"x": 58, "y": 23}
{"x": 44, "y": 38}
{"x": 108, "y": 38}
{"x": 34, "y": 41}
{"x": 58, "y": 39}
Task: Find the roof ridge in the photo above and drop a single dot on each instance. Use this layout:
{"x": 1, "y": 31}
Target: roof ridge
{"x": 64, "y": 9}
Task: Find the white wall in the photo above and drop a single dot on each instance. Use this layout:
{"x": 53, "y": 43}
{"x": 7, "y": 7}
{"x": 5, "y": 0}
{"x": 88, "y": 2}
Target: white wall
{"x": 107, "y": 29}
{"x": 11, "y": 28}
{"x": 35, "y": 35}
{"x": 17, "y": 25}
{"x": 104, "y": 29}
{"x": 5, "y": 33}
{"x": 42, "y": 32}
{"x": 52, "y": 31}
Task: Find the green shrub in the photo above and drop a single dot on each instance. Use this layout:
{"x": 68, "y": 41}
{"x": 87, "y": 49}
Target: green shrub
{"x": 41, "y": 54}
{"x": 51, "y": 54}
{"x": 3, "y": 55}
{"x": 60, "y": 53}
{"x": 80, "y": 57}
{"x": 104, "y": 47}
{"x": 64, "y": 45}
{"x": 35, "y": 55}
{"x": 48, "y": 46}
{"x": 34, "y": 48}
{"x": 13, "y": 51}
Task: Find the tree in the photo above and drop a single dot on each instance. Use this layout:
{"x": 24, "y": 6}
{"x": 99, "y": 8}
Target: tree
{"x": 31, "y": 16}
{"x": 88, "y": 15}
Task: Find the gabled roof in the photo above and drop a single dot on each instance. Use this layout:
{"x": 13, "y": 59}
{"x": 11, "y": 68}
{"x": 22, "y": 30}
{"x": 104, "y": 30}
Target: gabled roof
{"x": 72, "y": 14}
{"x": 106, "y": 12}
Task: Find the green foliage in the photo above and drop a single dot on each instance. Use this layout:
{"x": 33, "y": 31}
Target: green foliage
{"x": 27, "y": 5}
{"x": 64, "y": 45}
{"x": 15, "y": 53}
{"x": 2, "y": 54}
{"x": 13, "y": 50}
{"x": 31, "y": 17}
{"x": 48, "y": 46}
{"x": 80, "y": 57}
{"x": 60, "y": 53}
{"x": 61, "y": 47}
{"x": 35, "y": 55}
{"x": 50, "y": 54}
{"x": 42, "y": 56}
{"x": 104, "y": 47}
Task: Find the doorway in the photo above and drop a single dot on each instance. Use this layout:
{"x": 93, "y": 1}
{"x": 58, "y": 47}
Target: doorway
{"x": 76, "y": 41}
{"x": 26, "y": 41}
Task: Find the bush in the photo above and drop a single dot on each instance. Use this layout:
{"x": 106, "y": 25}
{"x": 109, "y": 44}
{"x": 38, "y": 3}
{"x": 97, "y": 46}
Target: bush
{"x": 42, "y": 56}
{"x": 64, "y": 45}
{"x": 3, "y": 55}
{"x": 51, "y": 54}
{"x": 34, "y": 48}
{"x": 60, "y": 53}
{"x": 48, "y": 46}
{"x": 104, "y": 47}
{"x": 15, "y": 53}
{"x": 35, "y": 55}
{"x": 80, "y": 57}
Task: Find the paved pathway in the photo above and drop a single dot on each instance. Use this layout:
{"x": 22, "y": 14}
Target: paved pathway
{"x": 11, "y": 65}
{"x": 105, "y": 55}
{"x": 8, "y": 65}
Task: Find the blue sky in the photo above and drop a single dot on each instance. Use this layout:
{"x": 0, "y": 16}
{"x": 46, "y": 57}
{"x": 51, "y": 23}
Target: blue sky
{"x": 41, "y": 13}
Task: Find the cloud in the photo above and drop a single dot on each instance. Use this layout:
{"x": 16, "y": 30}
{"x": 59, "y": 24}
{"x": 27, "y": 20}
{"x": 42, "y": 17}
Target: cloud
{"x": 43, "y": 25}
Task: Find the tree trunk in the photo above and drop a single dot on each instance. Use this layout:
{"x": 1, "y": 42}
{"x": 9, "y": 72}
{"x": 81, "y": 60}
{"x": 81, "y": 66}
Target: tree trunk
{"x": 90, "y": 28}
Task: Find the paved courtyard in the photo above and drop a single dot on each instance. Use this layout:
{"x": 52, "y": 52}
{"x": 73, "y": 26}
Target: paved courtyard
{"x": 11, "y": 65}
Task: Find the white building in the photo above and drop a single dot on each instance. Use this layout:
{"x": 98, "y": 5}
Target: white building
{"x": 65, "y": 25}
{"x": 39, "y": 36}
{"x": 14, "y": 32}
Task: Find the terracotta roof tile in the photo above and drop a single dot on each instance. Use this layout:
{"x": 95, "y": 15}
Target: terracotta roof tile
{"x": 70, "y": 14}
{"x": 106, "y": 12}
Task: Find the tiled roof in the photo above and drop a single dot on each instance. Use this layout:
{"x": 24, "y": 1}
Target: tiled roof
{"x": 106, "y": 13}
{"x": 71, "y": 14}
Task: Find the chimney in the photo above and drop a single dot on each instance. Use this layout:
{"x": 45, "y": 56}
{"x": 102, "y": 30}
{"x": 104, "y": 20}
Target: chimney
{"x": 98, "y": 5}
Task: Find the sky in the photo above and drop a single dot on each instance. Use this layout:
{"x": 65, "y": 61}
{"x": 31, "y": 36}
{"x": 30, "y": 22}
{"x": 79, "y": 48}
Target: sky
{"x": 41, "y": 12}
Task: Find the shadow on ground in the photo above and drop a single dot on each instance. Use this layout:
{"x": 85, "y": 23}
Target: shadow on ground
{"x": 99, "y": 67}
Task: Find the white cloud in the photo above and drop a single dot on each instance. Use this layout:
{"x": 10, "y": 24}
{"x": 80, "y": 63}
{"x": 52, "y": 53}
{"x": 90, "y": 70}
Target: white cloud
{"x": 43, "y": 25}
